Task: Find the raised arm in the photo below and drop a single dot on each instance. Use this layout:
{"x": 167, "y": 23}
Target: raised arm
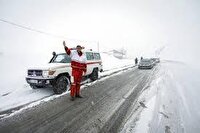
{"x": 67, "y": 50}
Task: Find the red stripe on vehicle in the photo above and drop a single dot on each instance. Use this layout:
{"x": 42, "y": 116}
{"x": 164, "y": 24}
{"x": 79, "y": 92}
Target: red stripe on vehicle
{"x": 94, "y": 62}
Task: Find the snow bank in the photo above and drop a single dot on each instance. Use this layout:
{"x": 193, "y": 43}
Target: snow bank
{"x": 146, "y": 117}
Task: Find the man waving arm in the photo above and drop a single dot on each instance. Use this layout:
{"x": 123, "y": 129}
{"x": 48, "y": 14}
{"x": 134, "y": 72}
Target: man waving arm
{"x": 67, "y": 50}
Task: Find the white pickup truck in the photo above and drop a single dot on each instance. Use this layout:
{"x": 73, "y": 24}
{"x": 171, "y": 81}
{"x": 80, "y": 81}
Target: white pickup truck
{"x": 57, "y": 73}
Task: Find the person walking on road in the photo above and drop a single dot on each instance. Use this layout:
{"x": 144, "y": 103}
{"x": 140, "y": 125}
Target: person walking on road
{"x": 79, "y": 67}
{"x": 136, "y": 61}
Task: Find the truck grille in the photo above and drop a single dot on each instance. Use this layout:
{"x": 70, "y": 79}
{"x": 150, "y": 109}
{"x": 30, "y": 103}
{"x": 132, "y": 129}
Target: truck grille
{"x": 34, "y": 72}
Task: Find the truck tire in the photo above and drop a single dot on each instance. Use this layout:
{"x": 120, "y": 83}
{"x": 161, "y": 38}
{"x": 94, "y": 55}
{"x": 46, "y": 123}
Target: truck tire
{"x": 61, "y": 84}
{"x": 94, "y": 76}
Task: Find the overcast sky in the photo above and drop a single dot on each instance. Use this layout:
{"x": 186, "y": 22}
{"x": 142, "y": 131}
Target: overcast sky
{"x": 141, "y": 26}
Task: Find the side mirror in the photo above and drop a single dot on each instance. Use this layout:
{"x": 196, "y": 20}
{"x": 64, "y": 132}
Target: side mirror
{"x": 54, "y": 53}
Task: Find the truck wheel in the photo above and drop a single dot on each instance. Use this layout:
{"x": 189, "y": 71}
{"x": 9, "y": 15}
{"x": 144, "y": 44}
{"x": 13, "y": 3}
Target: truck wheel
{"x": 94, "y": 76}
{"x": 61, "y": 84}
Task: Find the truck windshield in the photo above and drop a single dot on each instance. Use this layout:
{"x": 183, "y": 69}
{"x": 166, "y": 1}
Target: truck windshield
{"x": 61, "y": 58}
{"x": 146, "y": 60}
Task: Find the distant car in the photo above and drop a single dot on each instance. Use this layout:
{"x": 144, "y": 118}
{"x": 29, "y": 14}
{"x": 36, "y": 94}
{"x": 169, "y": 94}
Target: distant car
{"x": 57, "y": 73}
{"x": 146, "y": 64}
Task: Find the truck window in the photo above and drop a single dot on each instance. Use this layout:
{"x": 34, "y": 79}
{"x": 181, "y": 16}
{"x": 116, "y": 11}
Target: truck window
{"x": 61, "y": 58}
{"x": 97, "y": 56}
{"x": 89, "y": 56}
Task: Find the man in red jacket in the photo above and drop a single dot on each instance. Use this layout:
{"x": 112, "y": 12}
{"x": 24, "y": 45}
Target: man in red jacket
{"x": 79, "y": 66}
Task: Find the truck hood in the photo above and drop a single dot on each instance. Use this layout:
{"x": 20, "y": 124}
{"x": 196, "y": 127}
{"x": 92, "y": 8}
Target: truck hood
{"x": 50, "y": 66}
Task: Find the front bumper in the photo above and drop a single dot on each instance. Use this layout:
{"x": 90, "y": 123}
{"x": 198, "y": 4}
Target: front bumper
{"x": 145, "y": 67}
{"x": 39, "y": 81}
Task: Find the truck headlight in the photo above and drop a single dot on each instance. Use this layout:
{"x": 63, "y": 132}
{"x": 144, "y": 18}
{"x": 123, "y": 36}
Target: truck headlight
{"x": 45, "y": 74}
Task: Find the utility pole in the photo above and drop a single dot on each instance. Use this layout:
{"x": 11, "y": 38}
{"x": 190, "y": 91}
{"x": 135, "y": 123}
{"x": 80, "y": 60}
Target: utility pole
{"x": 98, "y": 46}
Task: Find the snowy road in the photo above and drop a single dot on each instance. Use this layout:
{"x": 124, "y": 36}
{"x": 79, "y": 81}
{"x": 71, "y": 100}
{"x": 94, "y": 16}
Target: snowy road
{"x": 103, "y": 107}
{"x": 169, "y": 105}
{"x": 162, "y": 100}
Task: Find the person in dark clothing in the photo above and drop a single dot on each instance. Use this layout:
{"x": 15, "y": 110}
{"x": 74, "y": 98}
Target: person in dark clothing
{"x": 136, "y": 61}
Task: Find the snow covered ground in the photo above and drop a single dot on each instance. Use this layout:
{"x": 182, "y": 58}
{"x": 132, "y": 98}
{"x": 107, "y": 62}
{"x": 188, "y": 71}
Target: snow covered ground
{"x": 171, "y": 104}
{"x": 16, "y": 92}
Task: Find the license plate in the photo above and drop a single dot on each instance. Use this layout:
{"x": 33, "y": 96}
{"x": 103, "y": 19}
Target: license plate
{"x": 33, "y": 81}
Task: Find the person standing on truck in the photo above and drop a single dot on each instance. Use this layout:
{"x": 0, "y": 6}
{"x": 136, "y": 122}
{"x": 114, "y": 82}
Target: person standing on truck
{"x": 79, "y": 66}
